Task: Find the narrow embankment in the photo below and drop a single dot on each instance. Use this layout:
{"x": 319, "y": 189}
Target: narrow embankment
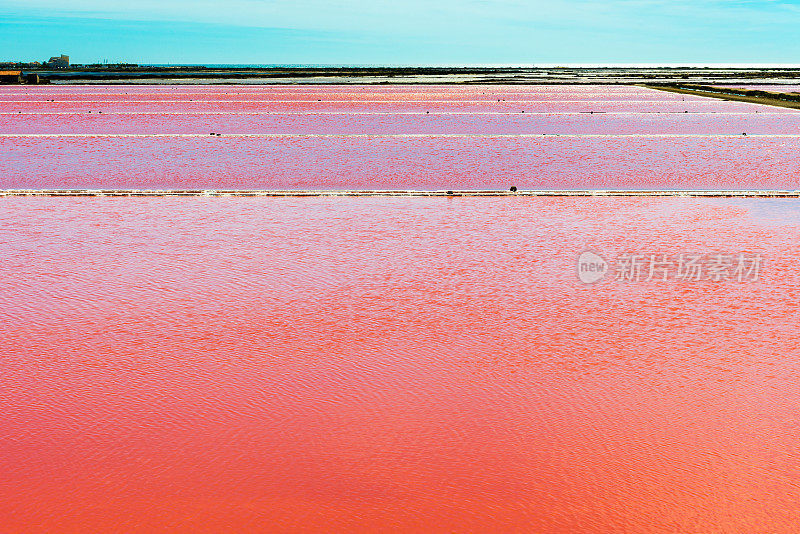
{"x": 767, "y": 98}
{"x": 694, "y": 193}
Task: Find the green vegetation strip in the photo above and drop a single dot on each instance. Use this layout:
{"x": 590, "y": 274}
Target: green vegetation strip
{"x": 767, "y": 98}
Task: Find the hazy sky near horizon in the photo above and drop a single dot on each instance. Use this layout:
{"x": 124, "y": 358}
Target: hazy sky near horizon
{"x": 403, "y": 32}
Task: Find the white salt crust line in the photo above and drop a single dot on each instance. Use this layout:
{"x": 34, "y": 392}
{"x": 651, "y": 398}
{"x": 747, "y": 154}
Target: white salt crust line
{"x": 508, "y": 102}
{"x": 270, "y": 90}
{"x": 640, "y": 93}
{"x": 412, "y": 136}
{"x": 320, "y": 88}
{"x": 350, "y": 86}
{"x": 423, "y": 113}
{"x": 392, "y": 193}
{"x": 408, "y": 85}
{"x": 356, "y": 94}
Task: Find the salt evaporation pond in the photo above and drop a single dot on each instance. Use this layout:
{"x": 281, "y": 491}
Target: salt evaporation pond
{"x": 395, "y": 137}
{"x": 393, "y": 365}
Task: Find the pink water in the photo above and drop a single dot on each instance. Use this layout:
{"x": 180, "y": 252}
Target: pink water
{"x": 328, "y": 88}
{"x": 419, "y": 105}
{"x": 404, "y": 123}
{"x": 359, "y": 95}
{"x": 384, "y": 364}
{"x": 390, "y": 137}
{"x": 428, "y": 162}
{"x": 393, "y": 365}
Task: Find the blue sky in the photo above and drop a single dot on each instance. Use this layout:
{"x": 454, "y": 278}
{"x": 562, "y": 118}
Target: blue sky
{"x": 418, "y": 32}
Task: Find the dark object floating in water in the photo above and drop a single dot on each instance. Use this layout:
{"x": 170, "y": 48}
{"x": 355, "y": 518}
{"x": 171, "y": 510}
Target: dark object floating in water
{"x": 513, "y": 189}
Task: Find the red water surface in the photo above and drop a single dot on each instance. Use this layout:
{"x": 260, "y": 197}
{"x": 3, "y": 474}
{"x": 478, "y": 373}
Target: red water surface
{"x": 325, "y": 88}
{"x": 418, "y": 105}
{"x": 393, "y": 365}
{"x": 346, "y": 98}
{"x": 400, "y": 92}
{"x": 427, "y": 162}
{"x": 366, "y": 143}
{"x": 404, "y": 123}
{"x": 360, "y": 96}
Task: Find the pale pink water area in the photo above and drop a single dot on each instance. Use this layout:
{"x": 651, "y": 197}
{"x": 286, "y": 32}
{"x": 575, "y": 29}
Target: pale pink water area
{"x": 393, "y": 365}
{"x": 350, "y": 123}
{"x": 390, "y": 137}
{"x": 425, "y": 162}
{"x": 419, "y": 105}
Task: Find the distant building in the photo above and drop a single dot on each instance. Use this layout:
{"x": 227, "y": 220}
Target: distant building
{"x": 10, "y": 76}
{"x": 59, "y": 62}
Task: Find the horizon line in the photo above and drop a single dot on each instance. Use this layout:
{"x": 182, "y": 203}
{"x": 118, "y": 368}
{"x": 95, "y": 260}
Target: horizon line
{"x": 623, "y": 65}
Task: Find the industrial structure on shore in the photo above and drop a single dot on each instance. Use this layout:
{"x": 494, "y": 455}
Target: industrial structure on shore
{"x": 57, "y": 62}
{"x": 13, "y": 76}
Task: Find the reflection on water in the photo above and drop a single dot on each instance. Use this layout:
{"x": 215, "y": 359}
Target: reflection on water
{"x": 778, "y": 212}
{"x": 380, "y": 364}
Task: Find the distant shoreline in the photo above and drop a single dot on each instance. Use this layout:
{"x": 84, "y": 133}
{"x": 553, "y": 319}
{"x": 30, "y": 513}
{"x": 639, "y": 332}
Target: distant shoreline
{"x": 767, "y": 98}
{"x": 413, "y": 75}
